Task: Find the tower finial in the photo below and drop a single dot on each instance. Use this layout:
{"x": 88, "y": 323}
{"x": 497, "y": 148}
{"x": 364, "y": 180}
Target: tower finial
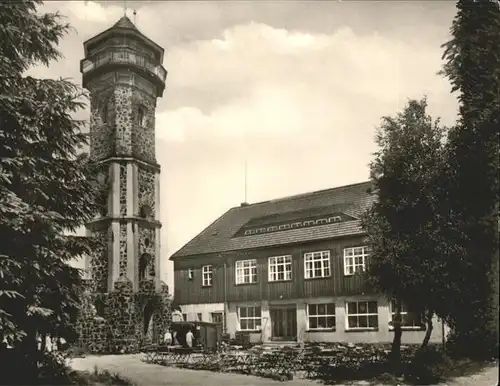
{"x": 124, "y": 7}
{"x": 135, "y": 14}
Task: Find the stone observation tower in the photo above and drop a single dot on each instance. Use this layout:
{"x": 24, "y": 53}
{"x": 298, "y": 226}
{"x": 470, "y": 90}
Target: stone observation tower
{"x": 127, "y": 302}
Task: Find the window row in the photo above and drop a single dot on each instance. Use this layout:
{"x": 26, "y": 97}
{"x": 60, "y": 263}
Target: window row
{"x": 361, "y": 315}
{"x": 294, "y": 225}
{"x": 316, "y": 265}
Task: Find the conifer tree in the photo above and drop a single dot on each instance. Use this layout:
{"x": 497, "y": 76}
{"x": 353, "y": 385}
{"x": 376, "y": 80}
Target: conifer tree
{"x": 45, "y": 189}
{"x": 473, "y": 67}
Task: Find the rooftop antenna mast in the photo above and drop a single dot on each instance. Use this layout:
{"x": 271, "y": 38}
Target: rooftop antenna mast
{"x": 135, "y": 14}
{"x": 124, "y": 7}
{"x": 246, "y": 179}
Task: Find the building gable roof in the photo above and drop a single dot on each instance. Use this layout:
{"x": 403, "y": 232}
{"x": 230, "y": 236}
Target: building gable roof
{"x": 301, "y": 218}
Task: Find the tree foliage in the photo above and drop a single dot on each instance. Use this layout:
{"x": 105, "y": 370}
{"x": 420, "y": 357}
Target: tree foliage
{"x": 473, "y": 68}
{"x": 402, "y": 226}
{"x": 46, "y": 192}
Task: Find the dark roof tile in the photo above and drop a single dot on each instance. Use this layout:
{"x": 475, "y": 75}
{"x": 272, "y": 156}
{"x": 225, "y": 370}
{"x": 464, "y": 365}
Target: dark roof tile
{"x": 352, "y": 200}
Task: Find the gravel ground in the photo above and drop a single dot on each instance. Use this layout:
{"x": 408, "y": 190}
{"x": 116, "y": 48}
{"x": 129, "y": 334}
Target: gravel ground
{"x": 145, "y": 374}
{"x": 488, "y": 377}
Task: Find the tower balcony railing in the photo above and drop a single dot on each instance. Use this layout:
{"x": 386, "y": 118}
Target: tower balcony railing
{"x": 126, "y": 57}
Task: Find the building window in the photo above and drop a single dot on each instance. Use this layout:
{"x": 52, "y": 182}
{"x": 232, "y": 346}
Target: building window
{"x": 190, "y": 273}
{"x": 362, "y": 315}
{"x": 280, "y": 268}
{"x": 199, "y": 315}
{"x": 246, "y": 271}
{"x": 207, "y": 275}
{"x": 409, "y": 320}
{"x": 317, "y": 264}
{"x": 141, "y": 116}
{"x": 355, "y": 260}
{"x": 250, "y": 318}
{"x": 217, "y": 317}
{"x": 321, "y": 316}
{"x": 184, "y": 317}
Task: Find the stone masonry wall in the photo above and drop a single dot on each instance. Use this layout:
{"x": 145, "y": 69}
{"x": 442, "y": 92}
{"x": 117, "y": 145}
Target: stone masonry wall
{"x": 147, "y": 245}
{"x": 102, "y": 125}
{"x": 99, "y": 262}
{"x": 121, "y": 328}
{"x": 123, "y": 189}
{"x": 93, "y": 330}
{"x": 124, "y": 119}
{"x": 123, "y": 250}
{"x": 143, "y": 135}
{"x": 114, "y": 125}
{"x": 146, "y": 180}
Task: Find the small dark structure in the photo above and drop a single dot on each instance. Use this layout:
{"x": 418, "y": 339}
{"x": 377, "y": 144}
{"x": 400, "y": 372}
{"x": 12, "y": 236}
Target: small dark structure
{"x": 206, "y": 334}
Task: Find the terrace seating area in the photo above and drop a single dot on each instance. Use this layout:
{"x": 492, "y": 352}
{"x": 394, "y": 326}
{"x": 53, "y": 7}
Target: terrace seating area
{"x": 326, "y": 361}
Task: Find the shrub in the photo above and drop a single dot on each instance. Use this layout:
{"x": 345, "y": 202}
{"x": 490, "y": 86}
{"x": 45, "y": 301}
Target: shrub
{"x": 53, "y": 369}
{"x": 427, "y": 366}
{"x": 476, "y": 343}
{"x": 101, "y": 378}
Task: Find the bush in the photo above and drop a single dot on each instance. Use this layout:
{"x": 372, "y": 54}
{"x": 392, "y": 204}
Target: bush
{"x": 477, "y": 344}
{"x": 427, "y": 366}
{"x": 101, "y": 378}
{"x": 53, "y": 370}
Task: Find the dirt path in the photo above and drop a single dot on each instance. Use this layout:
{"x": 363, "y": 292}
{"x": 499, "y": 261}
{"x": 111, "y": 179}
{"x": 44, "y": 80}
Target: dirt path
{"x": 144, "y": 374}
{"x": 488, "y": 377}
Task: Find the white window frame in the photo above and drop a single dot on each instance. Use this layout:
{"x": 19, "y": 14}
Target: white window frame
{"x": 221, "y": 313}
{"x": 318, "y": 316}
{"x": 207, "y": 275}
{"x": 404, "y": 311}
{"x": 367, "y": 314}
{"x": 257, "y": 320}
{"x": 355, "y": 259}
{"x": 285, "y": 263}
{"x": 246, "y": 269}
{"x": 321, "y": 257}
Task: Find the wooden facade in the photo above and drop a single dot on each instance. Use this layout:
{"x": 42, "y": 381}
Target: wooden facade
{"x": 224, "y": 287}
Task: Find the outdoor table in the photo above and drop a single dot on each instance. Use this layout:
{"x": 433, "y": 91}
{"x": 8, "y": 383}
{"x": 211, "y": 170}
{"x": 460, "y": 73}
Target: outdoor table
{"x": 318, "y": 363}
{"x": 154, "y": 352}
{"x": 236, "y": 361}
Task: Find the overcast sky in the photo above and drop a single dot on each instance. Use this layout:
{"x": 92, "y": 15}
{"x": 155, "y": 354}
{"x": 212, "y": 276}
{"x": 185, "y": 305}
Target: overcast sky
{"x": 296, "y": 88}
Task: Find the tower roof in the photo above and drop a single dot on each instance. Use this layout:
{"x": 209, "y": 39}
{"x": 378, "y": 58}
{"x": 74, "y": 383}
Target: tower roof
{"x": 123, "y": 25}
{"x": 125, "y": 22}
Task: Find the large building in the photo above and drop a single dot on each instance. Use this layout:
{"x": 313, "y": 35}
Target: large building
{"x": 127, "y": 303}
{"x": 286, "y": 269}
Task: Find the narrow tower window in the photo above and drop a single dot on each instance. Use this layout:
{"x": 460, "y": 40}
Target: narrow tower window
{"x": 145, "y": 211}
{"x": 104, "y": 112}
{"x": 99, "y": 307}
{"x": 143, "y": 265}
{"x": 148, "y": 314}
{"x": 141, "y": 116}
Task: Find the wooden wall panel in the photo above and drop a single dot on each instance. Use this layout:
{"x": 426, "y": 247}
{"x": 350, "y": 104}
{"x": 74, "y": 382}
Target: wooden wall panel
{"x": 191, "y": 291}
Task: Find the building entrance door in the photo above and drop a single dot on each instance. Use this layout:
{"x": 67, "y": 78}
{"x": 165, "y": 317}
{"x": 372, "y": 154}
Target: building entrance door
{"x": 283, "y": 323}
